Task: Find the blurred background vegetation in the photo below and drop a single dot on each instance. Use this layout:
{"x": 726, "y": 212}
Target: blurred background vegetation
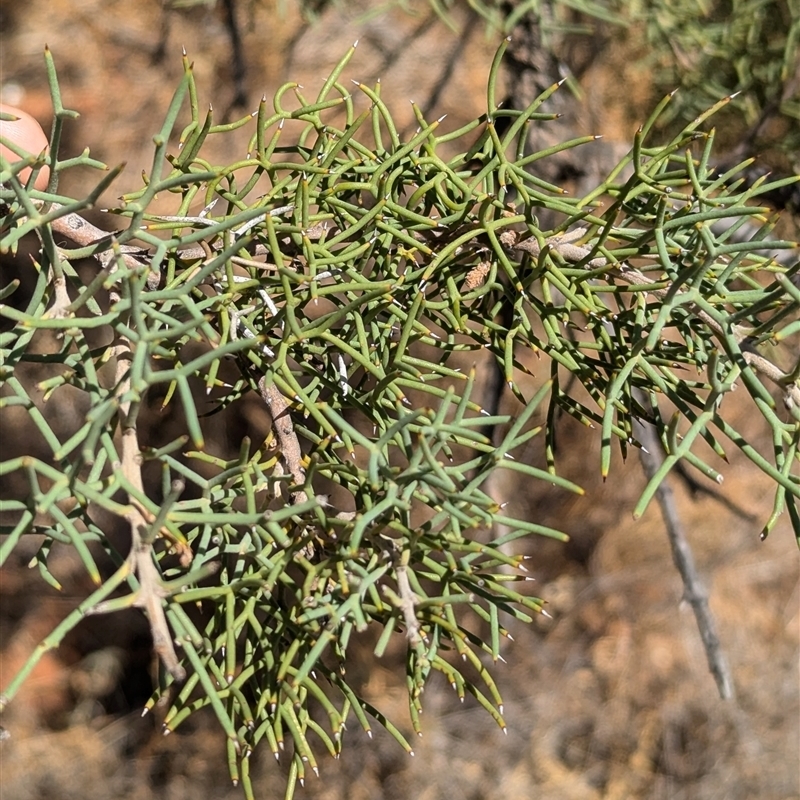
{"x": 609, "y": 699}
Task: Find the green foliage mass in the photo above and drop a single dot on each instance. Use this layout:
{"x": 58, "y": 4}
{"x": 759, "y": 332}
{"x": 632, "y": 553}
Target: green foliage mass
{"x": 350, "y": 274}
{"x": 709, "y": 49}
{"x": 714, "y": 49}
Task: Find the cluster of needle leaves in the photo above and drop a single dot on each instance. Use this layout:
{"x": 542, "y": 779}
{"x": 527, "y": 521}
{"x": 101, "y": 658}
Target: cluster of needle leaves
{"x": 717, "y": 48}
{"x": 350, "y": 274}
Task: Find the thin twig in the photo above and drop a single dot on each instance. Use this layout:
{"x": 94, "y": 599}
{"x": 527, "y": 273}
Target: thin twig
{"x": 291, "y": 451}
{"x": 82, "y": 232}
{"x": 408, "y": 605}
{"x": 694, "y": 591}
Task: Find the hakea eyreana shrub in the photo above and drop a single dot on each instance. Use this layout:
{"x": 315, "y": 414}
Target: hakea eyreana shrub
{"x": 346, "y": 276}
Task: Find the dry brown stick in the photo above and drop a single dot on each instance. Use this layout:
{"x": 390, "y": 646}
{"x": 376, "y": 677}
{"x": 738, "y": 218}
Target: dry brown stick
{"x": 574, "y": 253}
